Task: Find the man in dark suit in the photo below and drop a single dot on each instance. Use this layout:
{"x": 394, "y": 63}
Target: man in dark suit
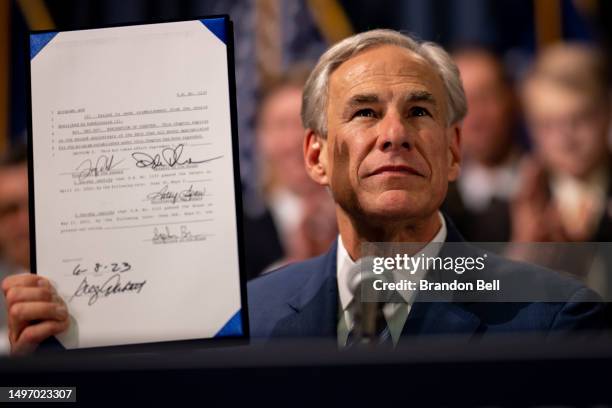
{"x": 479, "y": 201}
{"x": 302, "y": 300}
{"x": 383, "y": 115}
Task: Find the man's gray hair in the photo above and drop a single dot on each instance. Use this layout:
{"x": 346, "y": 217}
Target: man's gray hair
{"x": 316, "y": 90}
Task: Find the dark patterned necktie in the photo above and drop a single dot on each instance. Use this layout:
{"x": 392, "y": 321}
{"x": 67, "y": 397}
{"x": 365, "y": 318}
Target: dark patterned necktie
{"x": 379, "y": 335}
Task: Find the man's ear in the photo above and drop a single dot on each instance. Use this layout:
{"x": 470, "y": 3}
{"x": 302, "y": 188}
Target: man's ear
{"x": 315, "y": 157}
{"x": 454, "y": 152}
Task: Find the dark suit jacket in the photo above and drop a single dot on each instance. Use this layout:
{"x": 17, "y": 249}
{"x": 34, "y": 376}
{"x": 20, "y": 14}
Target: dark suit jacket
{"x": 492, "y": 224}
{"x": 262, "y": 244}
{"x": 301, "y": 300}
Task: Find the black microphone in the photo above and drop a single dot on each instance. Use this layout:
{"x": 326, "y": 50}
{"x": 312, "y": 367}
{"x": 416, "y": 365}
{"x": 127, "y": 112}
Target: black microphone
{"x": 368, "y": 303}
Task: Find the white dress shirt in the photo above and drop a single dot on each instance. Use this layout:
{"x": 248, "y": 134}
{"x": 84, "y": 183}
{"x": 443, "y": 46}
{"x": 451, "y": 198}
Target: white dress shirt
{"x": 479, "y": 185}
{"x": 395, "y": 313}
{"x": 287, "y": 212}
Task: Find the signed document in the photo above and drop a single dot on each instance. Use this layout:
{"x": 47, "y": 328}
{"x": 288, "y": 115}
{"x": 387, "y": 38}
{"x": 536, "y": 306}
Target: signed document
{"x": 133, "y": 171}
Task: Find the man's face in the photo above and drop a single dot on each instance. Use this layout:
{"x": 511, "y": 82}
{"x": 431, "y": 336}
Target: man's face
{"x": 389, "y": 154}
{"x": 14, "y": 223}
{"x": 280, "y": 135}
{"x": 488, "y": 124}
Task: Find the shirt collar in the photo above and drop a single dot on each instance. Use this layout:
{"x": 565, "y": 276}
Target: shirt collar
{"x": 345, "y": 263}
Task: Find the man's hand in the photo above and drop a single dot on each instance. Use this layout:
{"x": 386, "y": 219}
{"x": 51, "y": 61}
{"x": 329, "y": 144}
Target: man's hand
{"x": 35, "y": 311}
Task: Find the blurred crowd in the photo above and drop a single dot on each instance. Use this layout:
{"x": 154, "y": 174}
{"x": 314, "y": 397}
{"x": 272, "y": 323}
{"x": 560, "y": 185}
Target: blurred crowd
{"x": 554, "y": 187}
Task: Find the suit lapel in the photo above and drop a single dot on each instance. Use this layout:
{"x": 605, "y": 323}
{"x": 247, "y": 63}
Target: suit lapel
{"x": 315, "y": 305}
{"x": 443, "y": 317}
{"x": 452, "y": 233}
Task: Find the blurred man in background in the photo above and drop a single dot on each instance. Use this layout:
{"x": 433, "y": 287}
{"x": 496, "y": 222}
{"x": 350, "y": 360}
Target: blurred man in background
{"x": 299, "y": 220}
{"x": 14, "y": 225}
{"x": 479, "y": 200}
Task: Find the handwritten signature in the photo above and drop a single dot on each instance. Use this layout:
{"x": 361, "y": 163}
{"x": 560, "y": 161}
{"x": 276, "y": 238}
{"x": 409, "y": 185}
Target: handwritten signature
{"x": 103, "y": 166}
{"x": 111, "y": 286}
{"x": 167, "y": 236}
{"x": 164, "y": 195}
{"x": 169, "y": 157}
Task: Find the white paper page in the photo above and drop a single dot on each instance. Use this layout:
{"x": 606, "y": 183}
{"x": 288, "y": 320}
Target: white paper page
{"x": 135, "y": 210}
